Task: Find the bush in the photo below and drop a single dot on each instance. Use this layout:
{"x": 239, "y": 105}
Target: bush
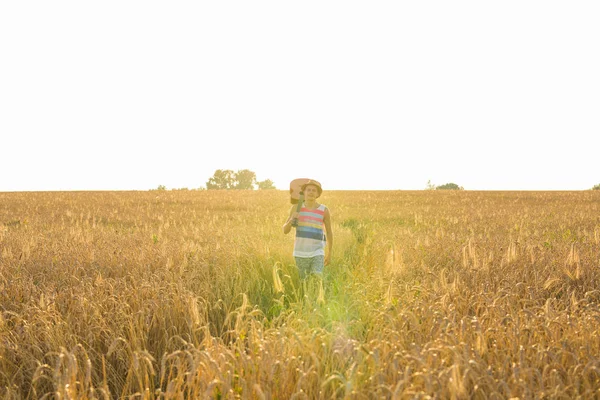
{"x": 596, "y": 187}
{"x": 449, "y": 186}
{"x": 267, "y": 184}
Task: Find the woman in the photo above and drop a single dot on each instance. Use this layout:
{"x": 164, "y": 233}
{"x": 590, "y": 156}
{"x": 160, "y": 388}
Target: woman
{"x": 313, "y": 231}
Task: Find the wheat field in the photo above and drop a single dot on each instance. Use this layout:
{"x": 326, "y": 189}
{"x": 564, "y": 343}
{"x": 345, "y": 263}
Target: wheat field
{"x": 194, "y": 294}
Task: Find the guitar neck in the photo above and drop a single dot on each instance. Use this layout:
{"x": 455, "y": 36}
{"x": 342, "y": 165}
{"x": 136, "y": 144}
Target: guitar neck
{"x": 300, "y": 202}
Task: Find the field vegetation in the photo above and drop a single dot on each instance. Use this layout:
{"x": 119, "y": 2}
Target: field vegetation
{"x": 193, "y": 294}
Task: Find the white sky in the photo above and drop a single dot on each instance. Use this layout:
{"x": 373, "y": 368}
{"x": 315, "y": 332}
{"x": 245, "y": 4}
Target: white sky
{"x": 120, "y": 95}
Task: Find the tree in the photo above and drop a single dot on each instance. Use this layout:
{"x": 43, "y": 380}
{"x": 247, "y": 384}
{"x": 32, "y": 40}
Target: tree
{"x": 245, "y": 179}
{"x": 430, "y": 186}
{"x": 596, "y": 187}
{"x": 449, "y": 186}
{"x": 222, "y": 179}
{"x": 266, "y": 184}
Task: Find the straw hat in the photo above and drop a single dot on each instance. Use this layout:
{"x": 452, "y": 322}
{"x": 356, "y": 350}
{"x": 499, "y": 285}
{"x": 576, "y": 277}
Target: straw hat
{"x": 314, "y": 183}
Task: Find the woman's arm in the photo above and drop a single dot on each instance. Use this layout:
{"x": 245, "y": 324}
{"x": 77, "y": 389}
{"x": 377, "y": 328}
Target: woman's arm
{"x": 287, "y": 227}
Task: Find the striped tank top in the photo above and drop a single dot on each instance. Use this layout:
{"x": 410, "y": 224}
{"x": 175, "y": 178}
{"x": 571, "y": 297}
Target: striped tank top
{"x": 310, "y": 236}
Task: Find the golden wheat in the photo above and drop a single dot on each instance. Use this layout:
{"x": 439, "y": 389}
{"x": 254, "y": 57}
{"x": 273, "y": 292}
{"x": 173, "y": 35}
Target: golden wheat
{"x": 194, "y": 295}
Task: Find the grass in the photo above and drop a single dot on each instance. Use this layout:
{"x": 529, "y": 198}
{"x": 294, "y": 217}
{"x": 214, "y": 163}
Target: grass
{"x": 194, "y": 295}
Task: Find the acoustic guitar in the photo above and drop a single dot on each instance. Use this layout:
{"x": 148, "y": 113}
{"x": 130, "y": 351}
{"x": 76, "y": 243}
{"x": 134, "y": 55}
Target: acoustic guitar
{"x": 297, "y": 196}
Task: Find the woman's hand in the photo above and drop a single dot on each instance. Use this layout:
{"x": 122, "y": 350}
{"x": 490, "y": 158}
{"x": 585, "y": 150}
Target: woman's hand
{"x": 287, "y": 227}
{"x": 295, "y": 216}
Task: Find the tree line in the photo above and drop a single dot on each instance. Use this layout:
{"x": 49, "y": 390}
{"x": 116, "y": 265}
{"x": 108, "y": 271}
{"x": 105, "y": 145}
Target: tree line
{"x": 454, "y": 186}
{"x": 446, "y": 186}
{"x": 243, "y": 179}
